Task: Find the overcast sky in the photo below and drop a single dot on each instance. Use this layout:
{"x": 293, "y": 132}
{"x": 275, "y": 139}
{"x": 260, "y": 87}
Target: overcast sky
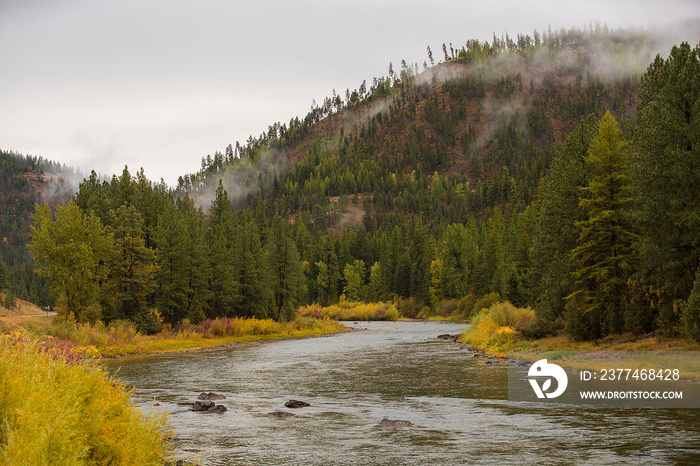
{"x": 98, "y": 84}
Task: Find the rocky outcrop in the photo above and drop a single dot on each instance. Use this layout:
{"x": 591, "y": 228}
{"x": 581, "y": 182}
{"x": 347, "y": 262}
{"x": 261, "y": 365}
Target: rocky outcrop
{"x": 296, "y": 404}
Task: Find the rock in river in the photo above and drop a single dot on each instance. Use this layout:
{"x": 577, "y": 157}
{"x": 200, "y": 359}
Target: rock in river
{"x": 446, "y": 336}
{"x": 202, "y": 405}
{"x": 395, "y": 423}
{"x": 210, "y": 396}
{"x": 218, "y": 409}
{"x": 296, "y": 404}
{"x": 280, "y": 414}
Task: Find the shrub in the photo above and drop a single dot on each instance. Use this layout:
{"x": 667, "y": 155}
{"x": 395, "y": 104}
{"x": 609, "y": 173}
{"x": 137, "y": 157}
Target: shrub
{"x": 92, "y": 418}
{"x": 351, "y": 311}
{"x": 410, "y": 307}
{"x": 466, "y": 305}
{"x": 147, "y": 322}
{"x": 498, "y": 326}
{"x": 484, "y": 302}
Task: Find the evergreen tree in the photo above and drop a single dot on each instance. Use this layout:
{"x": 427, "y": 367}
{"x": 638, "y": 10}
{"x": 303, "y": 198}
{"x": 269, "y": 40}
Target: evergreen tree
{"x": 421, "y": 252}
{"x": 131, "y": 277}
{"x": 122, "y": 189}
{"x": 666, "y": 180}
{"x": 171, "y": 258}
{"x": 492, "y": 266}
{"x": 354, "y": 280}
{"x": 252, "y": 274}
{"x": 459, "y": 253}
{"x": 222, "y": 241}
{"x": 149, "y": 200}
{"x": 4, "y": 276}
{"x": 376, "y": 290}
{"x": 286, "y": 275}
{"x": 691, "y": 310}
{"x": 196, "y": 260}
{"x": 328, "y": 276}
{"x": 604, "y": 245}
{"x": 91, "y": 197}
{"x": 555, "y": 233}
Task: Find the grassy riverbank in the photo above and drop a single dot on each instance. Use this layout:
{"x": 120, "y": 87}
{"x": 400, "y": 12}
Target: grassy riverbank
{"x": 347, "y": 310}
{"x": 46, "y": 373}
{"x": 121, "y": 338}
{"x": 496, "y": 331}
{"x": 56, "y": 410}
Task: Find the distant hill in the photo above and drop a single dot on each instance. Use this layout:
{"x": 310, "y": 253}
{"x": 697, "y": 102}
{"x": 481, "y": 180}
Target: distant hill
{"x": 21, "y": 308}
{"x": 444, "y": 186}
{"x": 24, "y": 181}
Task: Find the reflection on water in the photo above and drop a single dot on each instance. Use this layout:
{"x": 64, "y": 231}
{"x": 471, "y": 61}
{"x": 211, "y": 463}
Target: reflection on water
{"x": 399, "y": 371}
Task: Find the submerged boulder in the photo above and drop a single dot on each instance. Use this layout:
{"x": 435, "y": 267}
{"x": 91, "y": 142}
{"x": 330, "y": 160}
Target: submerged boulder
{"x": 280, "y": 414}
{"x": 296, "y": 404}
{"x": 210, "y": 396}
{"x": 446, "y": 336}
{"x": 218, "y": 409}
{"x": 395, "y": 423}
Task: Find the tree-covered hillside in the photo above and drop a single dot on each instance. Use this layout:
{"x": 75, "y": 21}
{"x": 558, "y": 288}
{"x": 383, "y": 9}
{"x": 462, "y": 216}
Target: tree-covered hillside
{"x": 24, "y": 181}
{"x": 548, "y": 170}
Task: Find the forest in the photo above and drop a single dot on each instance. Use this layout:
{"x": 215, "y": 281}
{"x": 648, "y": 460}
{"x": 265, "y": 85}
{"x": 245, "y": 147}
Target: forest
{"x": 509, "y": 171}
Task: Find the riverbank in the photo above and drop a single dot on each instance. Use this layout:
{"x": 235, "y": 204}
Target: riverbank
{"x": 92, "y": 417}
{"x": 567, "y": 351}
{"x": 624, "y": 342}
{"x": 95, "y": 341}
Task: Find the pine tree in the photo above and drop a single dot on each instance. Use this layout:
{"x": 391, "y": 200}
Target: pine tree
{"x": 286, "y": 275}
{"x": 91, "y": 196}
{"x": 149, "y": 200}
{"x": 666, "y": 180}
{"x": 459, "y": 252}
{"x": 222, "y": 240}
{"x": 131, "y": 277}
{"x": 252, "y": 274}
{"x": 555, "y": 233}
{"x": 4, "y": 275}
{"x": 196, "y": 260}
{"x": 328, "y": 276}
{"x": 691, "y": 310}
{"x": 604, "y": 246}
{"x": 171, "y": 258}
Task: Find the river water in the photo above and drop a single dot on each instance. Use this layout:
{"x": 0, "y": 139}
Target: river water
{"x": 397, "y": 370}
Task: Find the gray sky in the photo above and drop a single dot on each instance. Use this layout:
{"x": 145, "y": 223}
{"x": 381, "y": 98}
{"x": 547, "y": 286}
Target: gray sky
{"x": 98, "y": 84}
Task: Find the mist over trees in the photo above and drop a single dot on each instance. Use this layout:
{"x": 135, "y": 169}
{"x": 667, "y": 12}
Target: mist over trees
{"x": 513, "y": 170}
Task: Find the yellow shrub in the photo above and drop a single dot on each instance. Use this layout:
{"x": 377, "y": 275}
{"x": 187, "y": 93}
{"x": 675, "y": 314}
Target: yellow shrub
{"x": 495, "y": 328}
{"x": 346, "y": 310}
{"x": 92, "y": 419}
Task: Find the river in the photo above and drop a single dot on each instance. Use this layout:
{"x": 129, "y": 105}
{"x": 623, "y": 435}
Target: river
{"x": 397, "y": 370}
